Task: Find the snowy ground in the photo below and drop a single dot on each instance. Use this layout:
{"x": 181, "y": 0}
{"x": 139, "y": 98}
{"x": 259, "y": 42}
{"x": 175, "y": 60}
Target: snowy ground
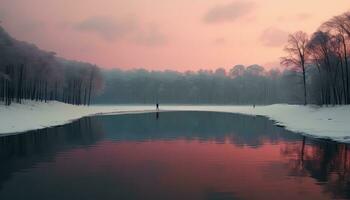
{"x": 324, "y": 122}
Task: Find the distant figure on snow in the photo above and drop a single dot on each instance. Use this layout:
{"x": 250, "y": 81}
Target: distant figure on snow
{"x": 157, "y": 106}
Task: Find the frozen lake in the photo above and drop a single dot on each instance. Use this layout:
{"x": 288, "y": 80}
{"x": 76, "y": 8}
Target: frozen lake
{"x": 172, "y": 155}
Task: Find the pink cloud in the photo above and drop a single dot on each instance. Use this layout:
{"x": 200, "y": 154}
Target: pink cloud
{"x": 228, "y": 13}
{"x": 273, "y": 37}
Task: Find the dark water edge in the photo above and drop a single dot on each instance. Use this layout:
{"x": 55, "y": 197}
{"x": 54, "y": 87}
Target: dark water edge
{"x": 146, "y": 156}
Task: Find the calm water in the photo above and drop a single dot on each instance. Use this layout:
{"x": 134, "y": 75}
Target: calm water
{"x": 176, "y": 155}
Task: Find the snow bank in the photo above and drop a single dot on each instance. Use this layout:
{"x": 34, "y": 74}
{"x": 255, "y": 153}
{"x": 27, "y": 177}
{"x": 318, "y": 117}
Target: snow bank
{"x": 36, "y": 115}
{"x": 322, "y": 122}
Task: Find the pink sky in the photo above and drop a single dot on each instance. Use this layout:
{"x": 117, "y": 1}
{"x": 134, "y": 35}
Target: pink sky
{"x": 165, "y": 34}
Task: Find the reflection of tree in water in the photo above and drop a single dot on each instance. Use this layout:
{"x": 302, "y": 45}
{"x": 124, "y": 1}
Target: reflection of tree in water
{"x": 205, "y": 126}
{"x": 325, "y": 161}
{"x": 23, "y": 151}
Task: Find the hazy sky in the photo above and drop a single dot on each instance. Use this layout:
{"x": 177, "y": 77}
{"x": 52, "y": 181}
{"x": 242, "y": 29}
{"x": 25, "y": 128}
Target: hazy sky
{"x": 165, "y": 34}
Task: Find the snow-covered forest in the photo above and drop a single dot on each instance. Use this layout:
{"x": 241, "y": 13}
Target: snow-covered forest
{"x": 26, "y": 72}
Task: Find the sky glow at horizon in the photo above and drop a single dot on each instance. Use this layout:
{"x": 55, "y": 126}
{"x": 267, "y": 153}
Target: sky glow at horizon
{"x": 165, "y": 34}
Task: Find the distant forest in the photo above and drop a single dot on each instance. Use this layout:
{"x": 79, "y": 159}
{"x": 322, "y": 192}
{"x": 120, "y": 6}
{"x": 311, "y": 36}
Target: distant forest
{"x": 241, "y": 85}
{"x": 316, "y": 71}
{"x": 26, "y": 72}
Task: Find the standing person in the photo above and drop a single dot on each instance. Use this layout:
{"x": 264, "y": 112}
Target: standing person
{"x": 157, "y": 106}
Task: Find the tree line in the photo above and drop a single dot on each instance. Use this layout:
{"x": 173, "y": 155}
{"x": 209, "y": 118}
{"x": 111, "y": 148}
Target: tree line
{"x": 26, "y": 72}
{"x": 239, "y": 85}
{"x": 323, "y": 61}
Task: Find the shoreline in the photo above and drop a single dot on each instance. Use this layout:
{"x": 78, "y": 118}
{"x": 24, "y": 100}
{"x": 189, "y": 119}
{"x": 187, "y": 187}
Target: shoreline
{"x": 331, "y": 123}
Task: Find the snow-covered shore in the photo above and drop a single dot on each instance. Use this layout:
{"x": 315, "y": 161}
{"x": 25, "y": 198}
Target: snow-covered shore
{"x": 36, "y": 115}
{"x": 322, "y": 122}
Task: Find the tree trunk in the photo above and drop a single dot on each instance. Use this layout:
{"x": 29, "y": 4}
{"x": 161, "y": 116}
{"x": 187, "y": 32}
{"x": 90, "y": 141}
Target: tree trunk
{"x": 304, "y": 84}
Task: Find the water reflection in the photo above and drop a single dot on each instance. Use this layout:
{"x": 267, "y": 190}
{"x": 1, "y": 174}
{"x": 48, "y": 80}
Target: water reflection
{"x": 176, "y": 155}
{"x": 326, "y": 162}
{"x": 157, "y": 115}
{"x": 238, "y": 129}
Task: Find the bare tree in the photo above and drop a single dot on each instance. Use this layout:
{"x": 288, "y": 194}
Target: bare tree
{"x": 340, "y": 26}
{"x": 324, "y": 51}
{"x": 297, "y": 55}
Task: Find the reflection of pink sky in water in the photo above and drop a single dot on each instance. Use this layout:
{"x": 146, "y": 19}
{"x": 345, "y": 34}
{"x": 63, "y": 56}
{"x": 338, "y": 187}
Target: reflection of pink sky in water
{"x": 191, "y": 169}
